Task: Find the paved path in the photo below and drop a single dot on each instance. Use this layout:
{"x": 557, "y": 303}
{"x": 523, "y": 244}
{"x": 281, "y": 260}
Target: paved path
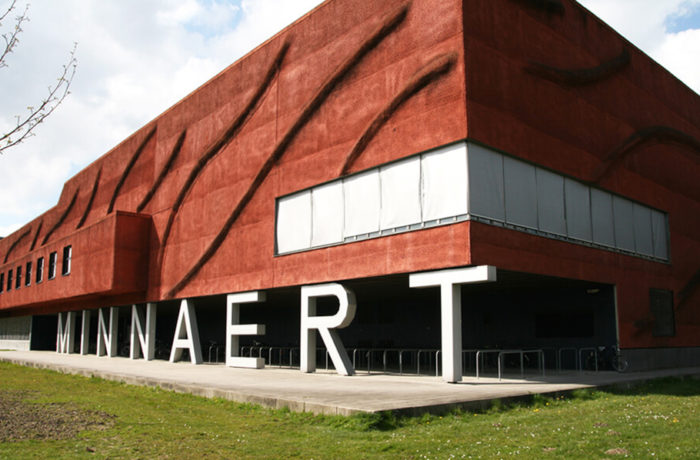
{"x": 322, "y": 392}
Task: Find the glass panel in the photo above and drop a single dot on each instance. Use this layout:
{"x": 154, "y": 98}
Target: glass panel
{"x": 445, "y": 182}
{"x": 602, "y": 212}
{"x": 361, "y": 198}
{"x": 624, "y": 223}
{"x": 400, "y": 185}
{"x": 550, "y": 202}
{"x": 28, "y": 274}
{"x": 521, "y": 193}
{"x": 39, "y": 269}
{"x": 327, "y": 212}
{"x": 578, "y": 210}
{"x": 486, "y": 194}
{"x": 293, "y": 222}
{"x": 642, "y": 230}
{"x": 661, "y": 306}
{"x": 659, "y": 230}
{"x": 67, "y": 254}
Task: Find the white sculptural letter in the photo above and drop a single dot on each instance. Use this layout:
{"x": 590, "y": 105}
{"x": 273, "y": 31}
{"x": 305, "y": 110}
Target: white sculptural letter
{"x": 234, "y": 329}
{"x": 186, "y": 334}
{"x": 143, "y": 332}
{"x": 107, "y": 338}
{"x": 84, "y": 332}
{"x": 65, "y": 337}
{"x": 325, "y": 326}
{"x": 449, "y": 282}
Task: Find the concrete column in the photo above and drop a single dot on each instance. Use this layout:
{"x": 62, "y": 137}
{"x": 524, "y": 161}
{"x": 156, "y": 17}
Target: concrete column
{"x": 235, "y": 329}
{"x": 325, "y": 326}
{"x": 107, "y": 335}
{"x": 143, "y": 332}
{"x": 449, "y": 282}
{"x": 85, "y": 332}
{"x": 65, "y": 335}
{"x": 186, "y": 334}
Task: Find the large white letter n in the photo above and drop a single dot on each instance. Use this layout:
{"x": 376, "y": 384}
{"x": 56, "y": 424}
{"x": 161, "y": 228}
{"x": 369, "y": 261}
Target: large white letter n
{"x": 325, "y": 326}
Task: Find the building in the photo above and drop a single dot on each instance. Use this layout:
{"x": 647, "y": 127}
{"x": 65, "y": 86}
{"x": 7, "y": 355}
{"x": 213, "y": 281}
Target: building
{"x": 367, "y": 148}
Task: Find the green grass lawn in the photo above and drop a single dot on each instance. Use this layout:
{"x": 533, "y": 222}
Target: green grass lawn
{"x": 660, "y": 419}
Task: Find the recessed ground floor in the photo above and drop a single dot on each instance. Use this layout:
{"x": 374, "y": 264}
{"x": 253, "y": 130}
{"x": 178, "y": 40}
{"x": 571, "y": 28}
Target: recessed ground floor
{"x": 515, "y": 324}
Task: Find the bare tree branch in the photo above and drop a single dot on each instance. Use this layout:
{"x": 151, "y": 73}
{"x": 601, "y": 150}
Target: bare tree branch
{"x": 56, "y": 93}
{"x": 11, "y": 39}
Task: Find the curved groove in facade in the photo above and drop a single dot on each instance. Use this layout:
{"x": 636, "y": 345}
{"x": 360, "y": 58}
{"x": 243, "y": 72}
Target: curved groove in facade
{"x": 91, "y": 200}
{"x": 128, "y": 168}
{"x": 163, "y": 172}
{"x": 60, "y": 220}
{"x": 15, "y": 243}
{"x": 429, "y": 73}
{"x": 580, "y": 77}
{"x": 222, "y": 141}
{"x": 658, "y": 133}
{"x": 550, "y": 6}
{"x": 389, "y": 25}
{"x": 689, "y": 289}
{"x": 36, "y": 235}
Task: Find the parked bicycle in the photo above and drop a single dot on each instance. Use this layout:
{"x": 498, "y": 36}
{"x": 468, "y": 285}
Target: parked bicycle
{"x": 606, "y": 358}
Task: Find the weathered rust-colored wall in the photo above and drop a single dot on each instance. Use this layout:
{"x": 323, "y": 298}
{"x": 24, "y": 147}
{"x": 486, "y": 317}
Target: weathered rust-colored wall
{"x": 544, "y": 81}
{"x": 109, "y": 259}
{"x": 549, "y": 83}
{"x": 348, "y": 64}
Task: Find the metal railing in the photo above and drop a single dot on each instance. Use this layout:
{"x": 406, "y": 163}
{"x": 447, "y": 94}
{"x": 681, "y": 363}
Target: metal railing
{"x": 423, "y": 361}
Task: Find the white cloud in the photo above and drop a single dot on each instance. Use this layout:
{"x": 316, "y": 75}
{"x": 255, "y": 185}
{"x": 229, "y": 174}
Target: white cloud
{"x": 645, "y": 24}
{"x": 137, "y": 58}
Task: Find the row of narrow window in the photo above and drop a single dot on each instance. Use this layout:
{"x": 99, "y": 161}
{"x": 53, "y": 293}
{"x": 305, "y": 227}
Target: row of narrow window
{"x": 14, "y": 277}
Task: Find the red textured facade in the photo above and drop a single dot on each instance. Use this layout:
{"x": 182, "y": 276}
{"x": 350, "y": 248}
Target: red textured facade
{"x": 543, "y": 81}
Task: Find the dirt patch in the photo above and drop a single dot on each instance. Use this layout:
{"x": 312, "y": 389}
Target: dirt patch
{"x": 21, "y": 420}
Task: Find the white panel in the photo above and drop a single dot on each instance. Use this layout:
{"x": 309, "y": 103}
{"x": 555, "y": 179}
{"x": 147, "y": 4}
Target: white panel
{"x": 521, "y": 192}
{"x": 486, "y": 195}
{"x": 400, "y": 188}
{"x": 361, "y": 198}
{"x": 659, "y": 230}
{"x": 642, "y": 230}
{"x": 445, "y": 182}
{"x": 550, "y": 202}
{"x": 327, "y": 214}
{"x": 624, "y": 223}
{"x": 294, "y": 222}
{"x": 578, "y": 210}
{"x": 602, "y": 212}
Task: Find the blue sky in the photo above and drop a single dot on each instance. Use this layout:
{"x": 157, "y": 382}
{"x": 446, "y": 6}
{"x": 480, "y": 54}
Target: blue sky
{"x": 688, "y": 18}
{"x": 137, "y": 58}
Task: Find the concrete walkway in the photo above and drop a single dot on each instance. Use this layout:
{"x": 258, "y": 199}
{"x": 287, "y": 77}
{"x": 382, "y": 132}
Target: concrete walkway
{"x": 323, "y": 392}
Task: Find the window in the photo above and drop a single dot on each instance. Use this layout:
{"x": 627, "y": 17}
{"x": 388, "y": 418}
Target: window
{"x": 2, "y": 282}
{"x": 52, "y": 265}
{"x": 18, "y": 281}
{"x": 39, "y": 270}
{"x": 467, "y": 181}
{"x": 28, "y": 274}
{"x": 9, "y": 280}
{"x": 661, "y": 305}
{"x": 67, "y": 255}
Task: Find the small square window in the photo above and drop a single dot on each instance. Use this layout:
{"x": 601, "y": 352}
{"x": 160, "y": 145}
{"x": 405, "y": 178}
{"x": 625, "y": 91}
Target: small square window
{"x": 18, "y": 280}
{"x": 9, "y": 280}
{"x": 52, "y": 265}
{"x": 28, "y": 274}
{"x": 67, "y": 256}
{"x": 39, "y": 270}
